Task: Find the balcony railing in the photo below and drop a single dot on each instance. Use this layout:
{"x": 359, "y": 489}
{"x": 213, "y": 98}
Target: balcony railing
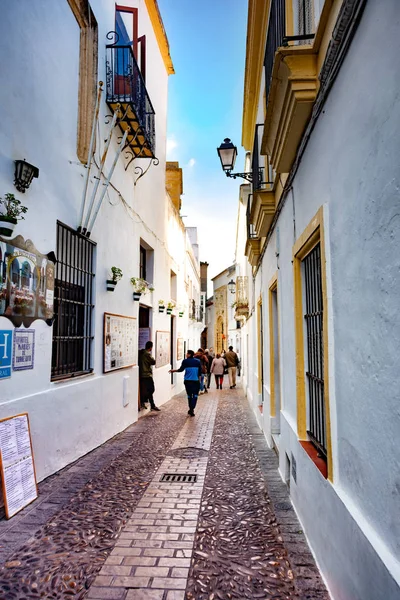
{"x": 126, "y": 90}
{"x": 196, "y": 312}
{"x": 277, "y": 37}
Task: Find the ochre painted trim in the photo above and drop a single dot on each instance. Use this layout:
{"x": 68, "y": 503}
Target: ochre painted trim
{"x": 272, "y": 287}
{"x": 161, "y": 36}
{"x": 259, "y": 344}
{"x": 257, "y": 21}
{"x": 289, "y": 18}
{"x": 313, "y": 234}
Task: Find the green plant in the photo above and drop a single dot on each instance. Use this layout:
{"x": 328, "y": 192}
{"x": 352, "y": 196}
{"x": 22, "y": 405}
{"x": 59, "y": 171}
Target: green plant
{"x": 116, "y": 274}
{"x": 161, "y": 302}
{"x": 171, "y": 304}
{"x": 13, "y": 207}
{"x": 141, "y": 286}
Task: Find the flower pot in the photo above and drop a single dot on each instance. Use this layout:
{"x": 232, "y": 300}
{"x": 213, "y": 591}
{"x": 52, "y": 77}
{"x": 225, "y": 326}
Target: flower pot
{"x": 111, "y": 285}
{"x": 161, "y": 309}
{"x": 7, "y": 225}
{"x": 169, "y": 311}
{"x": 136, "y": 296}
{"x": 181, "y": 314}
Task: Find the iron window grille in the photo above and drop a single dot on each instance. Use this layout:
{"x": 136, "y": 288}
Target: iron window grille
{"x": 73, "y": 307}
{"x": 143, "y": 263}
{"x": 315, "y": 370}
{"x": 276, "y": 36}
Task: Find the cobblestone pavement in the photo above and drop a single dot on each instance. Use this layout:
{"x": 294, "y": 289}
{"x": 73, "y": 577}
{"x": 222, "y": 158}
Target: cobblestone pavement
{"x": 108, "y": 527}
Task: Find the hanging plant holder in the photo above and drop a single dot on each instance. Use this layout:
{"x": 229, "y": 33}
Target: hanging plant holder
{"x": 136, "y": 296}
{"x": 111, "y": 285}
{"x": 7, "y": 225}
{"x": 169, "y": 311}
{"x": 161, "y": 309}
{"x": 181, "y": 314}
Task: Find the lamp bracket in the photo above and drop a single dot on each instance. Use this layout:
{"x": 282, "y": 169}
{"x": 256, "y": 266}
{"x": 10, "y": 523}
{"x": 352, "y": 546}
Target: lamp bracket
{"x": 248, "y": 176}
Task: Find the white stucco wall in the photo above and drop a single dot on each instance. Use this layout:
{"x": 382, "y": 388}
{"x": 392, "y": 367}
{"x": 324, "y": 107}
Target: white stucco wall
{"x": 39, "y": 96}
{"x": 350, "y": 167}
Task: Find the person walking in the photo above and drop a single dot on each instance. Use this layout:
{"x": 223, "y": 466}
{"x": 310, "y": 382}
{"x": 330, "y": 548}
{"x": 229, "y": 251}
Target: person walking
{"x": 204, "y": 362}
{"x": 146, "y": 382}
{"x": 217, "y": 368}
{"x": 232, "y": 362}
{"x": 192, "y": 368}
{"x": 210, "y": 359}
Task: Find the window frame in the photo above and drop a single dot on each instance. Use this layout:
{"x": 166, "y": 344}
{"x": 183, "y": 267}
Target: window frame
{"x": 75, "y": 270}
{"x": 312, "y": 235}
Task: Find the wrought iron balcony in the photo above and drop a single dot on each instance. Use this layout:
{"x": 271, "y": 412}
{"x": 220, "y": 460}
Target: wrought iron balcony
{"x": 127, "y": 91}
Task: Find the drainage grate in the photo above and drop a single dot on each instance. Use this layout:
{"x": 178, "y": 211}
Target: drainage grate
{"x": 178, "y": 478}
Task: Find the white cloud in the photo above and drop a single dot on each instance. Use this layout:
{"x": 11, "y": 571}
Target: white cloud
{"x": 191, "y": 162}
{"x": 171, "y": 145}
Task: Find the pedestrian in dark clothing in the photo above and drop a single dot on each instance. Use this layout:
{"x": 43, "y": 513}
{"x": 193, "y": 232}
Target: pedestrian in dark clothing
{"x": 146, "y": 383}
{"x": 232, "y": 362}
{"x": 210, "y": 359}
{"x": 204, "y": 364}
{"x": 192, "y": 368}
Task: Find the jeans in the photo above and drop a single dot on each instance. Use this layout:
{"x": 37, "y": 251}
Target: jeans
{"x": 192, "y": 390}
{"x": 202, "y": 383}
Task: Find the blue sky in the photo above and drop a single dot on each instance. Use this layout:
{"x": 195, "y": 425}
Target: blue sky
{"x": 207, "y": 41}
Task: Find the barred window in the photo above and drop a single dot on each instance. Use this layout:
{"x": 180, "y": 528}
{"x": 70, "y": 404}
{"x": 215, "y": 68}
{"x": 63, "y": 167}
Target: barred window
{"x": 73, "y": 304}
{"x": 315, "y": 369}
{"x": 305, "y": 17}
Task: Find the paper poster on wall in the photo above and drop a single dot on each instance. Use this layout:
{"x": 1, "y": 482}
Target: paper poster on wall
{"x": 23, "y": 349}
{"x": 26, "y": 282}
{"x": 163, "y": 348}
{"x": 17, "y": 465}
{"x": 144, "y": 336}
{"x": 5, "y": 353}
{"x": 120, "y": 342}
{"x": 179, "y": 349}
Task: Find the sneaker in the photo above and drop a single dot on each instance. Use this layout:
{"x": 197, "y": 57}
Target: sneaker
{"x": 205, "y": 390}
{"x": 143, "y": 406}
{"x": 191, "y": 413}
{"x": 155, "y": 408}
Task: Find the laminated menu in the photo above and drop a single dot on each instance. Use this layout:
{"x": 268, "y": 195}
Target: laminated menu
{"x": 17, "y": 465}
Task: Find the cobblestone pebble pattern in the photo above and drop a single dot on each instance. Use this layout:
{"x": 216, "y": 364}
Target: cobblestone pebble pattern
{"x": 152, "y": 556}
{"x": 65, "y": 555}
{"x": 238, "y": 550}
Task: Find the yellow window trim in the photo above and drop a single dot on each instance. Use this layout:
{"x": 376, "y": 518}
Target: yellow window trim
{"x": 259, "y": 342}
{"x": 313, "y": 234}
{"x": 272, "y": 287}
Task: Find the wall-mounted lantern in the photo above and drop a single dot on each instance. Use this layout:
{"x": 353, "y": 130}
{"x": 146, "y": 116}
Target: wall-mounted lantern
{"x": 227, "y": 153}
{"x": 232, "y": 286}
{"x": 24, "y": 173}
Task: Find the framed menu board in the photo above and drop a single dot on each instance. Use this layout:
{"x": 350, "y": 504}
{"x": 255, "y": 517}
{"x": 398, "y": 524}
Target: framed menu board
{"x": 120, "y": 342}
{"x": 163, "y": 349}
{"x": 17, "y": 464}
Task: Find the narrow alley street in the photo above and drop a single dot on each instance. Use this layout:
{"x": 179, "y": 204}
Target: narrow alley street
{"x": 107, "y": 526}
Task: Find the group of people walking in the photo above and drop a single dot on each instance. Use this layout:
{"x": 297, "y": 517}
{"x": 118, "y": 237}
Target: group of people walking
{"x": 198, "y": 367}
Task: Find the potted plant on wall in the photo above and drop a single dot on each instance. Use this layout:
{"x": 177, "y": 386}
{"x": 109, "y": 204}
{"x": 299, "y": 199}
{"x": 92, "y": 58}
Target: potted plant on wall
{"x": 170, "y": 307}
{"x": 140, "y": 286}
{"x": 161, "y": 306}
{"x": 181, "y": 311}
{"x": 12, "y": 211}
{"x": 116, "y": 275}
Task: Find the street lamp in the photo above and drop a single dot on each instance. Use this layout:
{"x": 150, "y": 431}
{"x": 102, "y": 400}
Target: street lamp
{"x": 227, "y": 153}
{"x": 231, "y": 286}
{"x": 24, "y": 173}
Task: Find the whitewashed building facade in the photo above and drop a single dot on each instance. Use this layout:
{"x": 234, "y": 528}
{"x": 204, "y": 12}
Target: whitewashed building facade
{"x": 319, "y": 228}
{"x": 57, "y": 53}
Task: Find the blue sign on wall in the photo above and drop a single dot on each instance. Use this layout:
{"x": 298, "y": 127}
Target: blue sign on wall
{"x": 5, "y": 352}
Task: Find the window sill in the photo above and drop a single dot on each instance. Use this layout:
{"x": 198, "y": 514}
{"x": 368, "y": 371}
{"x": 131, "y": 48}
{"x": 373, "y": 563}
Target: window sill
{"x": 312, "y": 452}
{"x": 69, "y": 379}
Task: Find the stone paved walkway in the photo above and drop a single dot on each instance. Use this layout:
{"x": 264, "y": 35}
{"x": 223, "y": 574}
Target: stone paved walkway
{"x": 108, "y": 527}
